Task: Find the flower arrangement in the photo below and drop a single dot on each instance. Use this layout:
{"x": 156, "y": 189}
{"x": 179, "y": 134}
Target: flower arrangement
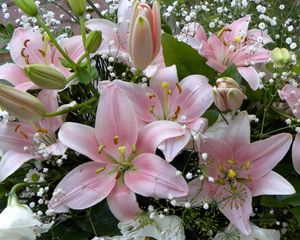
{"x": 150, "y": 120}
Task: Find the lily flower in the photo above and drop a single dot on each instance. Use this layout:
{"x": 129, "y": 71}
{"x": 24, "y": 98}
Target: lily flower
{"x": 135, "y": 38}
{"x": 21, "y": 141}
{"x": 123, "y": 160}
{"x": 168, "y": 99}
{"x": 234, "y": 44}
{"x": 31, "y": 47}
{"x": 240, "y": 170}
{"x": 292, "y": 96}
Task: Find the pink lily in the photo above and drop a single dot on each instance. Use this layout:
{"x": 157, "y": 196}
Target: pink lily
{"x": 125, "y": 39}
{"x": 241, "y": 170}
{"x": 123, "y": 160}
{"x": 168, "y": 99}
{"x": 21, "y": 142}
{"x": 234, "y": 44}
{"x": 30, "y": 47}
{"x": 292, "y": 96}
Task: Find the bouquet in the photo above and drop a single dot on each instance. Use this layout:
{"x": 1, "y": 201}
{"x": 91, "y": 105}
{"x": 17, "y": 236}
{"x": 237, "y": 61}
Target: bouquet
{"x": 165, "y": 120}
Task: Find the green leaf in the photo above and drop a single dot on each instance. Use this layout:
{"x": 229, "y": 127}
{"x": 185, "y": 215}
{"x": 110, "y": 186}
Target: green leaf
{"x": 165, "y": 26}
{"x": 232, "y": 72}
{"x": 270, "y": 201}
{"x": 83, "y": 76}
{"x": 187, "y": 60}
{"x": 211, "y": 115}
{"x": 296, "y": 212}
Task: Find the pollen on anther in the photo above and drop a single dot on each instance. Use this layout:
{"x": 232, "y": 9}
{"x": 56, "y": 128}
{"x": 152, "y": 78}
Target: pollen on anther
{"x": 116, "y": 140}
{"x": 179, "y": 88}
{"x": 101, "y": 148}
{"x": 17, "y": 127}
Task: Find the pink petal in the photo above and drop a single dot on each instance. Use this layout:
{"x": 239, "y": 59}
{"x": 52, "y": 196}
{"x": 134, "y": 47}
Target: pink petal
{"x": 155, "y": 133}
{"x": 15, "y": 136}
{"x": 105, "y": 26}
{"x": 11, "y": 162}
{"x": 83, "y": 187}
{"x": 251, "y": 76}
{"x": 200, "y": 192}
{"x": 30, "y": 43}
{"x": 271, "y": 184}
{"x": 173, "y": 146}
{"x": 142, "y": 103}
{"x": 50, "y": 101}
{"x": 16, "y": 76}
{"x": 122, "y": 202}
{"x": 237, "y": 133}
{"x": 125, "y": 10}
{"x": 166, "y": 74}
{"x": 152, "y": 176}
{"x": 73, "y": 46}
{"x": 254, "y": 34}
{"x": 196, "y": 97}
{"x": 156, "y": 28}
{"x": 81, "y": 138}
{"x": 291, "y": 95}
{"x": 296, "y": 153}
{"x": 115, "y": 117}
{"x": 265, "y": 154}
{"x": 237, "y": 27}
{"x": 218, "y": 150}
{"x": 236, "y": 206}
{"x": 141, "y": 44}
{"x": 56, "y": 149}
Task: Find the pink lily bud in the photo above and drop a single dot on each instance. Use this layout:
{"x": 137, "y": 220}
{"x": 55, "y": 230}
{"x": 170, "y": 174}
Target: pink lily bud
{"x": 227, "y": 94}
{"x": 144, "y": 34}
{"x": 21, "y": 104}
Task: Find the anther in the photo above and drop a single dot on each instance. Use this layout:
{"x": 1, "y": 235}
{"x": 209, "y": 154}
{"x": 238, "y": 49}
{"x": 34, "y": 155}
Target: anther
{"x": 179, "y": 88}
{"x": 42, "y": 52}
{"x": 100, "y": 169}
{"x": 248, "y": 164}
{"x": 17, "y": 127}
{"x": 116, "y": 140}
{"x": 42, "y": 130}
{"x": 101, "y": 148}
{"x": 26, "y": 43}
{"x": 24, "y": 134}
{"x": 133, "y": 148}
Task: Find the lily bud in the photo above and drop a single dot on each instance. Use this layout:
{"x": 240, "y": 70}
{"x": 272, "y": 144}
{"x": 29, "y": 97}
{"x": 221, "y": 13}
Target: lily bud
{"x": 144, "y": 34}
{"x": 27, "y": 6}
{"x": 45, "y": 76}
{"x": 78, "y": 7}
{"x": 93, "y": 41}
{"x": 281, "y": 56}
{"x": 227, "y": 94}
{"x": 21, "y": 104}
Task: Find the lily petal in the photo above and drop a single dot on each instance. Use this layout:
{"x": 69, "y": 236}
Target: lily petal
{"x": 271, "y": 184}
{"x": 236, "y": 206}
{"x": 122, "y": 202}
{"x": 115, "y": 118}
{"x": 296, "y": 153}
{"x": 16, "y": 76}
{"x": 153, "y": 134}
{"x": 152, "y": 176}
{"x": 265, "y": 154}
{"x": 81, "y": 138}
{"x": 28, "y": 42}
{"x": 250, "y": 75}
{"x": 83, "y": 187}
{"x": 237, "y": 133}
{"x": 11, "y": 162}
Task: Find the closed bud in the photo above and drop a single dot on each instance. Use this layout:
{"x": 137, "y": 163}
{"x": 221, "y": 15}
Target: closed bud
{"x": 78, "y": 7}
{"x": 27, "y": 6}
{"x": 93, "y": 41}
{"x": 227, "y": 94}
{"x": 21, "y": 104}
{"x": 144, "y": 34}
{"x": 45, "y": 76}
{"x": 281, "y": 56}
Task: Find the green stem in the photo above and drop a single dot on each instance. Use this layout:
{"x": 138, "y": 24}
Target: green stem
{"x": 136, "y": 75}
{"x": 94, "y": 8}
{"x": 83, "y": 33}
{"x": 70, "y": 109}
{"x": 74, "y": 75}
{"x": 53, "y": 40}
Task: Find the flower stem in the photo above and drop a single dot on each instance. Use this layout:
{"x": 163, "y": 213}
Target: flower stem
{"x": 70, "y": 109}
{"x": 53, "y": 40}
